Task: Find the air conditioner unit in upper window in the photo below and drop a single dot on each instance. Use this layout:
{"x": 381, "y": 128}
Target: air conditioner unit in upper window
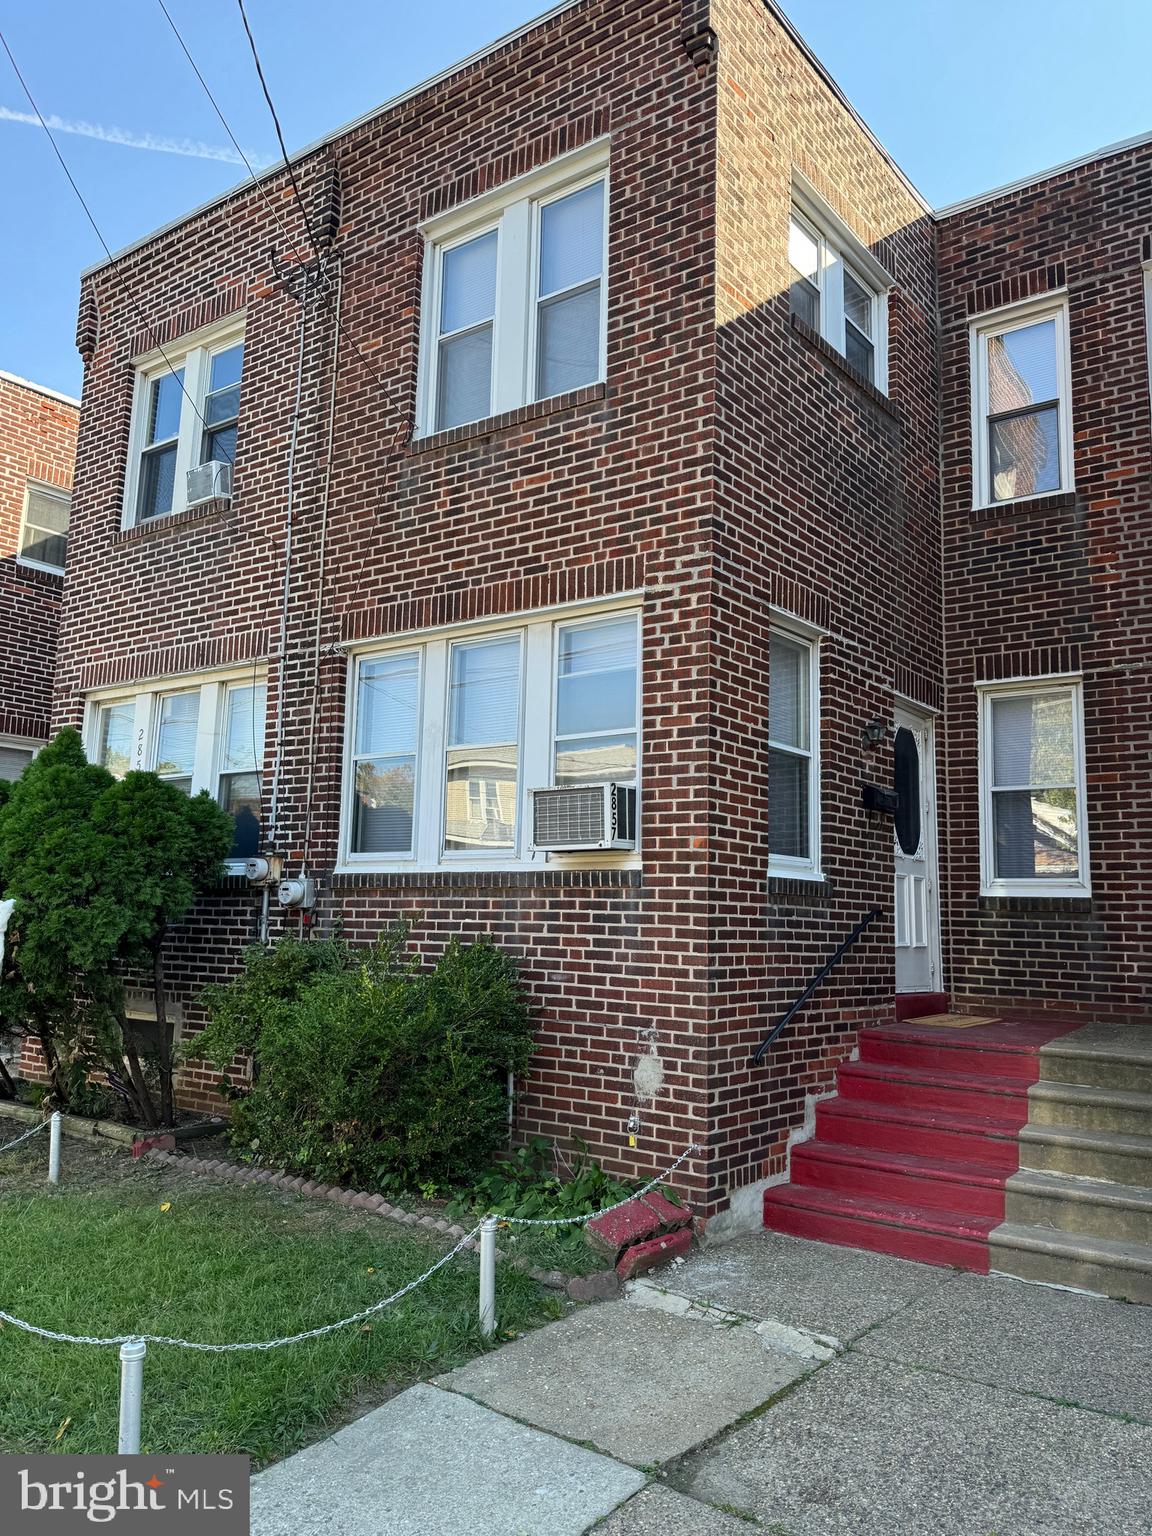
{"x": 210, "y": 482}
{"x": 582, "y": 817}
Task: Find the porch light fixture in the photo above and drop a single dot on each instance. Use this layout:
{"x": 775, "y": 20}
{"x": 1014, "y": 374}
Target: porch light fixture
{"x": 875, "y": 733}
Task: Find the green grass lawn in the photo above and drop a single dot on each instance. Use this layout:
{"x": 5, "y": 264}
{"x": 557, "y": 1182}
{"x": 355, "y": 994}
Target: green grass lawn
{"x": 100, "y": 1256}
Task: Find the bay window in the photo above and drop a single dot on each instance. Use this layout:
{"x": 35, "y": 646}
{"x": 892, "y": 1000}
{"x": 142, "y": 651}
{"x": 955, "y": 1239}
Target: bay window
{"x": 793, "y": 756}
{"x": 448, "y": 733}
{"x": 1032, "y": 811}
{"x": 514, "y": 294}
{"x": 207, "y": 734}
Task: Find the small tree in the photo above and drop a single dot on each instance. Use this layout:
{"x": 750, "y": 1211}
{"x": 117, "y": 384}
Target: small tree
{"x": 99, "y": 869}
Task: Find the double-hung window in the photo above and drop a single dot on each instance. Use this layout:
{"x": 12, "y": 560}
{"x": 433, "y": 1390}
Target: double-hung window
{"x": 44, "y": 528}
{"x": 514, "y": 294}
{"x": 793, "y": 755}
{"x": 1021, "y": 404}
{"x": 1032, "y": 811}
{"x": 185, "y": 416}
{"x": 837, "y": 288}
{"x": 195, "y": 734}
{"x": 449, "y": 732}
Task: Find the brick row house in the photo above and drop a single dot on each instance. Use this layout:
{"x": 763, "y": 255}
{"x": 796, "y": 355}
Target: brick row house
{"x": 37, "y": 455}
{"x": 624, "y": 518}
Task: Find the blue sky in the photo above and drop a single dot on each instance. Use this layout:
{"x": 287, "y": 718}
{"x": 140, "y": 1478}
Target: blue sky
{"x": 964, "y": 95}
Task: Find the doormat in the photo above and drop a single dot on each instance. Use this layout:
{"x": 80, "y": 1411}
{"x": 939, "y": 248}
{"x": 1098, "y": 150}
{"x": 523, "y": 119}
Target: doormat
{"x": 952, "y": 1020}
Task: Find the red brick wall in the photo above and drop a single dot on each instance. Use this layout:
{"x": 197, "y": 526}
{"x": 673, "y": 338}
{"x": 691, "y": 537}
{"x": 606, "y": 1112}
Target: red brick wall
{"x": 37, "y": 442}
{"x": 826, "y": 506}
{"x": 605, "y": 491}
{"x": 1062, "y": 584}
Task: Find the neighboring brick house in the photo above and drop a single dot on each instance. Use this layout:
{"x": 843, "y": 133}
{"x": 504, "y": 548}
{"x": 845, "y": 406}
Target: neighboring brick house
{"x": 616, "y": 384}
{"x": 37, "y": 455}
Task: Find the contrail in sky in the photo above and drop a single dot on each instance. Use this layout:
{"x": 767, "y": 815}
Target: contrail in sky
{"x": 193, "y": 148}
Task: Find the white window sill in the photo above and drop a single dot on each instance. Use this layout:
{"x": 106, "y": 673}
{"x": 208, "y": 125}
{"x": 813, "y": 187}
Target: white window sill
{"x": 573, "y": 861}
{"x": 1036, "y": 888}
{"x": 38, "y": 565}
{"x": 805, "y": 872}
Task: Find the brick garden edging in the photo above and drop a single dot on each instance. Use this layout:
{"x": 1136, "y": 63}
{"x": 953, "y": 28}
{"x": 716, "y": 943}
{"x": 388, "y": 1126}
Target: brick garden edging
{"x": 601, "y": 1286}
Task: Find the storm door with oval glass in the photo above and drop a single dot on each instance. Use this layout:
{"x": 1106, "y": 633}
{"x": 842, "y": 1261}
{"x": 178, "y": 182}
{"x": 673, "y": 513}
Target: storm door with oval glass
{"x": 917, "y": 910}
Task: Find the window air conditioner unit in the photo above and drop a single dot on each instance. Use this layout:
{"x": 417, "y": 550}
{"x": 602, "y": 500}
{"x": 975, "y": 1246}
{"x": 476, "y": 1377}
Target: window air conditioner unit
{"x": 584, "y": 816}
{"x": 209, "y": 482}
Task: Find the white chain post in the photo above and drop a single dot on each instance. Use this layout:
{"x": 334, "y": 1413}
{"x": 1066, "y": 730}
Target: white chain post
{"x": 488, "y": 1276}
{"x": 54, "y": 1149}
{"x": 131, "y": 1388}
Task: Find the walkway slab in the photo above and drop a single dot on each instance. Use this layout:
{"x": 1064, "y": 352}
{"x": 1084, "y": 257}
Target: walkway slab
{"x": 433, "y": 1461}
{"x": 660, "y": 1511}
{"x": 836, "y": 1292}
{"x": 1031, "y": 1338}
{"x": 634, "y": 1382}
{"x": 864, "y": 1445}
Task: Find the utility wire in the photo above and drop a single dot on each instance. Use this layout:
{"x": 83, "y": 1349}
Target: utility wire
{"x": 279, "y": 134}
{"x": 175, "y": 372}
{"x": 258, "y": 182}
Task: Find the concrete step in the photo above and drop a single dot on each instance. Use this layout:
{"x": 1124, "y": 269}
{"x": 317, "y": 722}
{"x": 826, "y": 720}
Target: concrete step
{"x": 928, "y": 1235}
{"x": 1109, "y": 1266}
{"x": 1103, "y": 1056}
{"x": 902, "y": 1177}
{"x": 1089, "y": 1207}
{"x": 1091, "y": 1154}
{"x": 890, "y": 1083}
{"x": 986, "y": 1050}
{"x": 932, "y": 1133}
{"x": 1092, "y": 1107}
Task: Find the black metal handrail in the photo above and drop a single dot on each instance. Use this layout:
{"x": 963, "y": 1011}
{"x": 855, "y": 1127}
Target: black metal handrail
{"x": 829, "y": 965}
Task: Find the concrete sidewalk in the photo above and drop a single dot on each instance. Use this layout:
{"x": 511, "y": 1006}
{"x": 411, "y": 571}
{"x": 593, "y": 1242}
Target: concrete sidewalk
{"x": 770, "y": 1384}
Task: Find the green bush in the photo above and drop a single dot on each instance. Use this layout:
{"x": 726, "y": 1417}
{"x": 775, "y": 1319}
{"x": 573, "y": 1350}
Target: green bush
{"x": 367, "y": 1068}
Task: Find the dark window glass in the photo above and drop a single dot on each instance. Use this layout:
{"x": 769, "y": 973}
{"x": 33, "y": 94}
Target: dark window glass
{"x": 907, "y": 785}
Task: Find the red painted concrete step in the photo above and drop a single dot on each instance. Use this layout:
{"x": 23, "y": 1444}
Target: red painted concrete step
{"x": 900, "y": 1177}
{"x": 1004, "y": 1098}
{"x": 1007, "y": 1048}
{"x": 909, "y": 1232}
{"x": 925, "y": 1132}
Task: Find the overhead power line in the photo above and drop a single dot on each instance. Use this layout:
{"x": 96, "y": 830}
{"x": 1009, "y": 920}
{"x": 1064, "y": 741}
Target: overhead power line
{"x": 279, "y": 134}
{"x": 259, "y": 182}
{"x": 175, "y": 372}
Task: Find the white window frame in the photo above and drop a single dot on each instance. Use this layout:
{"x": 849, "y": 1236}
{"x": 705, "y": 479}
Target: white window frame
{"x": 146, "y": 700}
{"x": 58, "y": 494}
{"x": 840, "y": 248}
{"x": 538, "y": 630}
{"x": 31, "y": 744}
{"x": 810, "y": 638}
{"x": 514, "y": 210}
{"x": 194, "y": 354}
{"x": 986, "y": 693}
{"x": 981, "y": 330}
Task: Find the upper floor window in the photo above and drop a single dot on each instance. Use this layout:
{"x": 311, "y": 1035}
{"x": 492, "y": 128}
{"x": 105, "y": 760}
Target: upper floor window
{"x": 514, "y": 295}
{"x": 838, "y": 288}
{"x": 1021, "y": 406}
{"x": 447, "y": 736}
{"x": 185, "y": 414}
{"x": 197, "y": 736}
{"x": 44, "y": 529}
{"x": 1032, "y": 813}
{"x": 793, "y": 755}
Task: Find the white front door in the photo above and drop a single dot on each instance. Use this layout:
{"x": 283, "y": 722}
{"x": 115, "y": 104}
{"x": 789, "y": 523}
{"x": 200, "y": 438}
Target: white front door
{"x": 917, "y": 909}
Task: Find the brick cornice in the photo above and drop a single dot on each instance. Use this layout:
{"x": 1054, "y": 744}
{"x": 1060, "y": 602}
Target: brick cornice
{"x": 175, "y": 660}
{"x": 570, "y": 584}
